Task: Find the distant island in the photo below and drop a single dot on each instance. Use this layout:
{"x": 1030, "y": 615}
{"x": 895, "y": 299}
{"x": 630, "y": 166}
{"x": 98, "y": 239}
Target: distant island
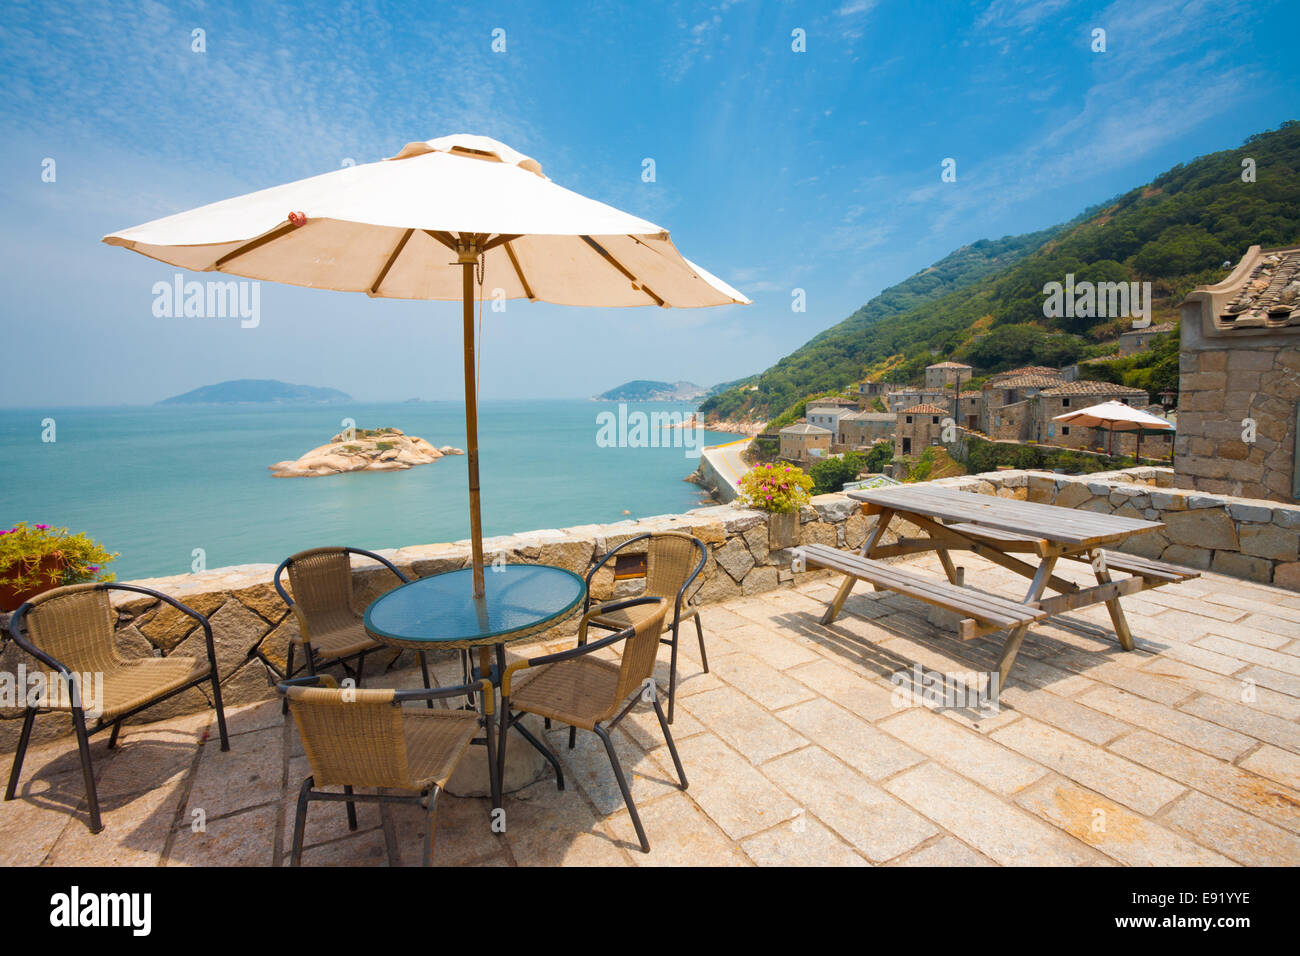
{"x": 642, "y": 390}
{"x": 258, "y": 391}
{"x": 363, "y": 449}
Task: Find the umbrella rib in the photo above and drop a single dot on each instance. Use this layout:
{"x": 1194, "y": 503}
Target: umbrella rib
{"x": 253, "y": 244}
{"x": 397, "y": 251}
{"x": 601, "y": 250}
{"x": 520, "y": 273}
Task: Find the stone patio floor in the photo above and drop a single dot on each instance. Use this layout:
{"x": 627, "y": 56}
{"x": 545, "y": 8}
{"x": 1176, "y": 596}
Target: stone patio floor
{"x": 1186, "y": 751}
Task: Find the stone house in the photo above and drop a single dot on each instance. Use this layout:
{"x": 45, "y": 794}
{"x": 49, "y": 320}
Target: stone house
{"x": 1072, "y": 396}
{"x": 825, "y": 416}
{"x": 947, "y": 375}
{"x": 859, "y": 430}
{"x": 918, "y": 427}
{"x": 1139, "y": 340}
{"x": 1239, "y": 382}
{"x": 898, "y": 399}
{"x": 803, "y": 442}
{"x": 1003, "y": 410}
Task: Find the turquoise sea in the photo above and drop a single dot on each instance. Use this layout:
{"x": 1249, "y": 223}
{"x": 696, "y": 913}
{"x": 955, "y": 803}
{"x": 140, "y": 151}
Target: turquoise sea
{"x": 155, "y": 483}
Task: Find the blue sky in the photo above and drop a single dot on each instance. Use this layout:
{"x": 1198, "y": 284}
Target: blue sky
{"x": 775, "y": 169}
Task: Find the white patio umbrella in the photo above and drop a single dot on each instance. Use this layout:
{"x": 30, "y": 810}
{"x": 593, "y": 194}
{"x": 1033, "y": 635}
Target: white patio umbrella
{"x": 1116, "y": 416}
{"x": 416, "y": 225}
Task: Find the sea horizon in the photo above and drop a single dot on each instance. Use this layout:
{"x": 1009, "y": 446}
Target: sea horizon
{"x": 179, "y": 488}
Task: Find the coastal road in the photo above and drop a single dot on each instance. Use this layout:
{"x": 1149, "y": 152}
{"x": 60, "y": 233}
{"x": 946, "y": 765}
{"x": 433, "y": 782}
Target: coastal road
{"x": 725, "y": 461}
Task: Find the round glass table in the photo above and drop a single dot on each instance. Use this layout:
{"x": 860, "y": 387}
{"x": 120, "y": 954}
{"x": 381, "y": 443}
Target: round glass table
{"x": 519, "y": 601}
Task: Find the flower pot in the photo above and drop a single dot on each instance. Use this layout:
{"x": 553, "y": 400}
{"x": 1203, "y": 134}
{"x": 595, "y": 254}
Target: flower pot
{"x": 11, "y": 597}
{"x": 782, "y": 531}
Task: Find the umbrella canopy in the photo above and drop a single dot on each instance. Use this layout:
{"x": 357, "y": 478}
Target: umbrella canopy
{"x": 387, "y": 228}
{"x": 384, "y": 229}
{"x": 1115, "y": 416}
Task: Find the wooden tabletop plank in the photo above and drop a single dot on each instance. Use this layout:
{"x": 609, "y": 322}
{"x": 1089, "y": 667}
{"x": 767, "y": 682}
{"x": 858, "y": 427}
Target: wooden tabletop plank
{"x": 1063, "y": 526}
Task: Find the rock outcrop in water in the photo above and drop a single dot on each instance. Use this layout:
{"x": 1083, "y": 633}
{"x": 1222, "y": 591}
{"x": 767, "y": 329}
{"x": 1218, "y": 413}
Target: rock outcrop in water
{"x": 374, "y": 449}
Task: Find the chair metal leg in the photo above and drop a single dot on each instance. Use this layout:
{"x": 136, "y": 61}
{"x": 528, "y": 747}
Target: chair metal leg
{"x": 29, "y": 718}
{"x": 699, "y": 632}
{"x": 300, "y": 821}
{"x": 288, "y": 672}
{"x": 622, "y": 785}
{"x": 219, "y": 707}
{"x": 431, "y": 826}
{"x": 573, "y": 737}
{"x": 87, "y": 771}
{"x": 672, "y": 746}
{"x": 498, "y": 781}
{"x": 672, "y": 676}
{"x": 113, "y": 734}
{"x": 545, "y": 751}
{"x": 352, "y": 810}
{"x": 424, "y": 672}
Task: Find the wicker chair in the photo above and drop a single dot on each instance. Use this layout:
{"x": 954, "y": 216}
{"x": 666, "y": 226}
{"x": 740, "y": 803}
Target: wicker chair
{"x": 70, "y": 631}
{"x": 580, "y": 690}
{"x": 673, "y": 562}
{"x": 330, "y": 628}
{"x": 364, "y": 738}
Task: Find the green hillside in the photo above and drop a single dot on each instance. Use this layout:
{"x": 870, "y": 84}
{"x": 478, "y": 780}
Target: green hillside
{"x": 983, "y": 304}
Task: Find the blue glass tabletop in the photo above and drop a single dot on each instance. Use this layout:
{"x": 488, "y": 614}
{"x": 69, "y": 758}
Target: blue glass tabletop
{"x": 518, "y": 600}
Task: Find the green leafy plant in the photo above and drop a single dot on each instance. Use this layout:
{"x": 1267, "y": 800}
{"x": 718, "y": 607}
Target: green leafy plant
{"x": 830, "y": 475}
{"x": 35, "y": 555}
{"x": 778, "y": 488}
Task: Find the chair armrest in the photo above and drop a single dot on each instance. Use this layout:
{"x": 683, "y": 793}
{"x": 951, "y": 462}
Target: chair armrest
{"x": 382, "y": 560}
{"x": 582, "y": 648}
{"x": 603, "y": 560}
{"x": 183, "y": 608}
{"x": 482, "y": 687}
{"x": 16, "y": 634}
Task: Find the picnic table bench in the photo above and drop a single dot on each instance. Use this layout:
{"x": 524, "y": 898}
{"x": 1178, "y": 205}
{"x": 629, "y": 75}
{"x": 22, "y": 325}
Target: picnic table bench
{"x": 1009, "y": 533}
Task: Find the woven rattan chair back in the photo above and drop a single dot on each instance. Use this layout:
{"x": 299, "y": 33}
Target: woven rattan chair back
{"x": 74, "y": 625}
{"x": 639, "y": 653}
{"x": 321, "y": 580}
{"x": 670, "y": 558}
{"x": 352, "y": 737}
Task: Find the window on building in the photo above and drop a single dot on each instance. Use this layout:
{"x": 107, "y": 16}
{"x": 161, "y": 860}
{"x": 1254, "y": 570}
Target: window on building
{"x": 1065, "y": 429}
{"x": 934, "y": 419}
{"x": 1065, "y": 403}
{"x": 909, "y": 419}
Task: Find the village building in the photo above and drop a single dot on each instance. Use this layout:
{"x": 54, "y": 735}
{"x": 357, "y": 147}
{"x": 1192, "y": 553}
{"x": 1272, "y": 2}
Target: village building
{"x": 803, "y": 442}
{"x": 947, "y": 374}
{"x": 1073, "y": 396}
{"x": 897, "y": 399}
{"x": 917, "y": 427}
{"x": 858, "y": 431}
{"x": 826, "y": 416}
{"x": 1004, "y": 407}
{"x": 1139, "y": 340}
{"x": 1239, "y": 383}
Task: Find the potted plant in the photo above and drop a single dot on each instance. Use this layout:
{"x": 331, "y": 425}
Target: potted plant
{"x": 780, "y": 490}
{"x": 36, "y": 558}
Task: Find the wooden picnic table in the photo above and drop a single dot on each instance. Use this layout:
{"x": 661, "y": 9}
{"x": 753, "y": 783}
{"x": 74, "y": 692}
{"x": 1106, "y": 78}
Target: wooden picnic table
{"x": 1021, "y": 536}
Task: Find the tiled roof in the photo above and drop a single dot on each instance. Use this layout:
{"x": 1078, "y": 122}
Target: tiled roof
{"x": 1025, "y": 381}
{"x": 866, "y": 417}
{"x": 1028, "y": 370}
{"x": 925, "y": 410}
{"x": 1269, "y": 296}
{"x": 948, "y": 365}
{"x": 1092, "y": 388}
{"x": 825, "y": 410}
{"x": 805, "y": 429}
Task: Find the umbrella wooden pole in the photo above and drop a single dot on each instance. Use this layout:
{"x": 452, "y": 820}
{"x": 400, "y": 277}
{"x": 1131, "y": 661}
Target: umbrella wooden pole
{"x": 471, "y": 427}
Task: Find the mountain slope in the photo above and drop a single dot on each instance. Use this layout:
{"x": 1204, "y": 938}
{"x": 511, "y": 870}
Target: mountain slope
{"x": 984, "y": 303}
{"x": 642, "y": 390}
{"x": 256, "y": 391}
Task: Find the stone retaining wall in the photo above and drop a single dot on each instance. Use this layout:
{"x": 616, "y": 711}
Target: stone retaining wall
{"x": 1245, "y": 538}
